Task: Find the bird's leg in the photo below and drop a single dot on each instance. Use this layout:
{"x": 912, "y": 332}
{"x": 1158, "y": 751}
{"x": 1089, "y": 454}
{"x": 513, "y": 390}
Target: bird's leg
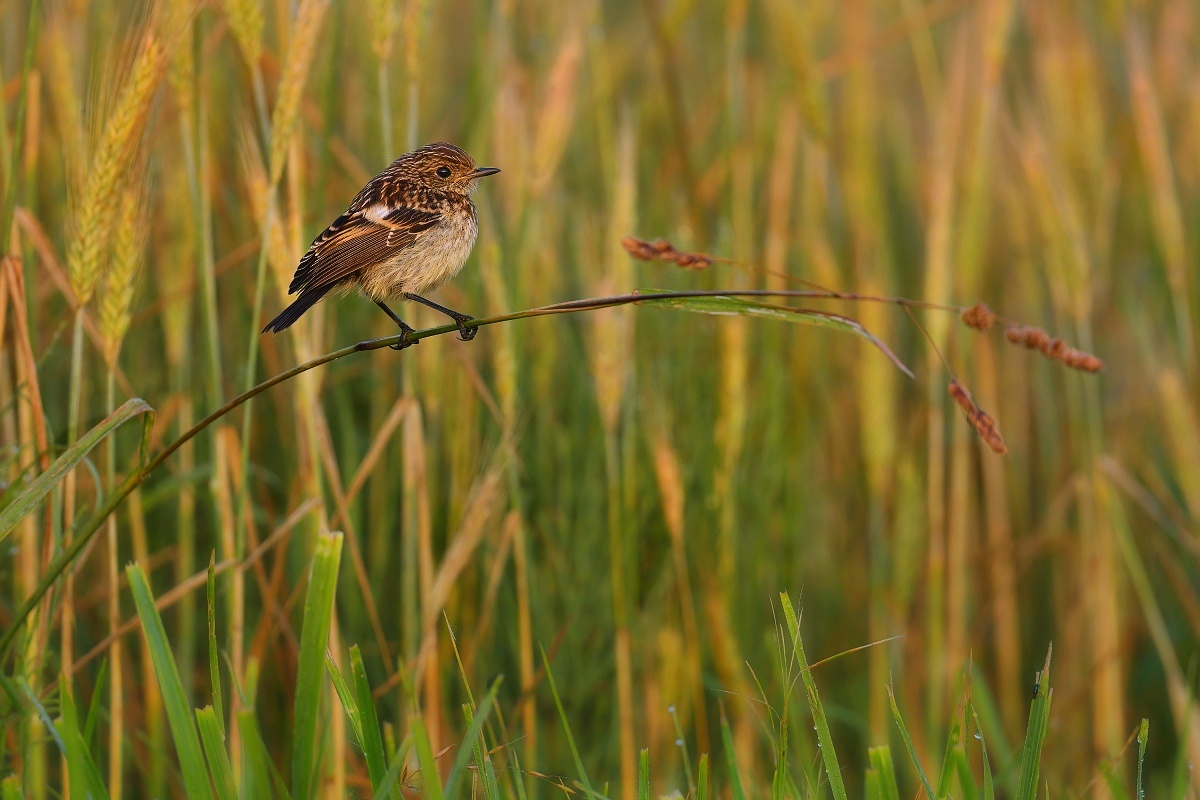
{"x": 464, "y": 333}
{"x": 405, "y": 328}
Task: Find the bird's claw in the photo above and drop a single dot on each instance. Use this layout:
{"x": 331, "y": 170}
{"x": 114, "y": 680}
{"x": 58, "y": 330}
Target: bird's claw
{"x": 405, "y": 342}
{"x": 465, "y": 333}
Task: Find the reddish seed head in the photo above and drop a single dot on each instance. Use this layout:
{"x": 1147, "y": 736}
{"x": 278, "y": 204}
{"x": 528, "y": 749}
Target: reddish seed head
{"x": 979, "y": 317}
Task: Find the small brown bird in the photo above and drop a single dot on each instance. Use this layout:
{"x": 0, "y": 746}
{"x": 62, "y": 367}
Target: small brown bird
{"x": 406, "y": 233}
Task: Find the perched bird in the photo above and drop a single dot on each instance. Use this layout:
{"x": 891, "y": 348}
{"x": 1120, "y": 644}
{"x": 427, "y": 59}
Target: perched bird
{"x": 406, "y": 233}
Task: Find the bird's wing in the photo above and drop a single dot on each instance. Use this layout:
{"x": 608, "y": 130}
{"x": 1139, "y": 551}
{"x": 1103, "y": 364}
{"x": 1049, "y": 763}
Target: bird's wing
{"x": 357, "y": 239}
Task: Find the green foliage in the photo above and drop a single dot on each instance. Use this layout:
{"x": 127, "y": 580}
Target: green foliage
{"x": 620, "y": 487}
{"x": 18, "y": 504}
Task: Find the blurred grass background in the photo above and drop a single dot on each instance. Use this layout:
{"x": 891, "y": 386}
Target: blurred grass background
{"x": 631, "y": 488}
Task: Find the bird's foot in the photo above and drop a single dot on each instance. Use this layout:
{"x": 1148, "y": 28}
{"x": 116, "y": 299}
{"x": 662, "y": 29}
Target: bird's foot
{"x": 408, "y": 331}
{"x": 465, "y": 333}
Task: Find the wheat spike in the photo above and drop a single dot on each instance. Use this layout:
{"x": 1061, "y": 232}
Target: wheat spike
{"x": 255, "y": 174}
{"x": 295, "y": 74}
{"x": 246, "y": 21}
{"x": 97, "y": 202}
{"x": 382, "y": 21}
{"x": 120, "y": 282}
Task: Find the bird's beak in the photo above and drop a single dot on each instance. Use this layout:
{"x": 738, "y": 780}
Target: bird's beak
{"x": 483, "y": 172}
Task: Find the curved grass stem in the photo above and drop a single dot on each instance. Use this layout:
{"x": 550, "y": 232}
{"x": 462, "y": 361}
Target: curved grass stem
{"x": 87, "y": 529}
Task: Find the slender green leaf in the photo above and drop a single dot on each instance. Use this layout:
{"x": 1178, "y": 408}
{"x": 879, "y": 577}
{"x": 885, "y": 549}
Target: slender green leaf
{"x": 824, "y": 739}
{"x": 10, "y": 788}
{"x": 86, "y": 783}
{"x": 737, "y": 306}
{"x": 93, "y": 715}
{"x": 881, "y": 764}
{"x": 27, "y": 499}
{"x": 431, "y": 782}
{"x": 735, "y": 775}
{"x": 314, "y": 637}
{"x": 396, "y": 765}
{"x": 213, "y": 739}
{"x": 1035, "y": 735}
{"x": 702, "y": 779}
{"x": 908, "y": 743}
{"x": 179, "y": 714}
{"x": 349, "y": 702}
{"x": 372, "y": 743}
{"x": 644, "y": 775}
{"x": 259, "y": 775}
{"x": 29, "y": 697}
{"x": 871, "y": 788}
{"x": 562, "y": 716}
{"x": 1143, "y": 738}
{"x": 214, "y": 664}
{"x": 953, "y": 741}
{"x": 459, "y": 770}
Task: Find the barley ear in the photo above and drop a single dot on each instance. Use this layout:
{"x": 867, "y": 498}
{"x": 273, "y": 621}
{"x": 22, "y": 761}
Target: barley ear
{"x": 120, "y": 282}
{"x": 291, "y": 85}
{"x": 97, "y": 201}
{"x": 246, "y": 21}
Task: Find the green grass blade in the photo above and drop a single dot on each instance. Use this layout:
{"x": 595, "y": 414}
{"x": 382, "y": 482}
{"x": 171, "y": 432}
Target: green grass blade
{"x": 1142, "y": 739}
{"x": 258, "y": 771}
{"x": 431, "y": 781}
{"x": 989, "y": 787}
{"x": 949, "y": 762}
{"x": 86, "y": 782}
{"x": 349, "y": 701}
{"x": 644, "y": 775}
{"x": 735, "y": 776}
{"x": 881, "y": 763}
{"x": 871, "y": 788}
{"x": 702, "y": 779}
{"x": 562, "y": 715}
{"x": 396, "y": 765}
{"x": 1035, "y": 735}
{"x": 459, "y": 770}
{"x": 737, "y": 306}
{"x": 28, "y": 498}
{"x": 213, "y": 739}
{"x": 93, "y": 715}
{"x": 214, "y": 662}
{"x": 372, "y": 742}
{"x": 179, "y": 714}
{"x": 908, "y": 743}
{"x": 314, "y": 637}
{"x": 30, "y": 697}
{"x": 832, "y": 770}
{"x": 10, "y": 788}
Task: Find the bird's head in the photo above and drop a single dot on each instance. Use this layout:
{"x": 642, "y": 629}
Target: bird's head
{"x": 444, "y": 167}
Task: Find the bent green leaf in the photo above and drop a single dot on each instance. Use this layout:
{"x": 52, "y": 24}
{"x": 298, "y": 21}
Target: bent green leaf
{"x": 723, "y": 305}
{"x": 28, "y": 498}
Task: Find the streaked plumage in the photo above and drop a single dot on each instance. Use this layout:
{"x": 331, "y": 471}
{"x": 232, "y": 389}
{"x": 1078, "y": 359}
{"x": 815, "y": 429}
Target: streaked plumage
{"x": 406, "y": 233}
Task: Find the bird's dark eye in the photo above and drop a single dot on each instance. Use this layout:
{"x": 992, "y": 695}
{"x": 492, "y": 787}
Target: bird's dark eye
{"x": 443, "y": 172}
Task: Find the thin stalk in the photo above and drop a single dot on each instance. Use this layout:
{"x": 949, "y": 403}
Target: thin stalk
{"x": 116, "y": 711}
{"x": 87, "y": 529}
{"x": 74, "y": 398}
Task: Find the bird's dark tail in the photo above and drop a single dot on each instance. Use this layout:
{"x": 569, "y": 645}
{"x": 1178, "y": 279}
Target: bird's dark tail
{"x": 293, "y": 312}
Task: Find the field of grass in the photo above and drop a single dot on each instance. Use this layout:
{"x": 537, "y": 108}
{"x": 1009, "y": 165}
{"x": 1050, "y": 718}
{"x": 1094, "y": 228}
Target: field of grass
{"x": 575, "y": 556}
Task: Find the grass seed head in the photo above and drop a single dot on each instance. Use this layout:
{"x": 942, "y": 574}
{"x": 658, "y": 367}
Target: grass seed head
{"x": 982, "y": 422}
{"x": 979, "y": 317}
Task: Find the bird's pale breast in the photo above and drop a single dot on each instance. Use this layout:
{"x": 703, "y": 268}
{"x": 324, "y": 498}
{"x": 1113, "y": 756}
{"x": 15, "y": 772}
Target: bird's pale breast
{"x": 434, "y": 258}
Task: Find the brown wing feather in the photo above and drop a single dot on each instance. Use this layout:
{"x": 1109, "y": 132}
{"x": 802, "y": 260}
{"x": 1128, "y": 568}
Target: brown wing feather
{"x": 354, "y": 241}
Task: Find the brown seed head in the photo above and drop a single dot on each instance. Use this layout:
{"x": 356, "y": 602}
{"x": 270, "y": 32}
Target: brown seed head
{"x": 980, "y": 420}
{"x": 1053, "y": 348}
{"x": 979, "y": 317}
{"x": 662, "y": 250}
